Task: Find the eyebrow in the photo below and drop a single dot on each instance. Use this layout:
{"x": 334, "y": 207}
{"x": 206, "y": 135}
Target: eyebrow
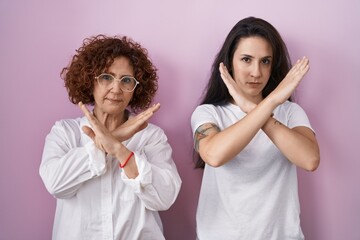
{"x": 125, "y": 75}
{"x": 249, "y": 56}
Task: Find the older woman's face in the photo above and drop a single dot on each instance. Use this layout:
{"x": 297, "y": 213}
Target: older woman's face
{"x": 112, "y": 99}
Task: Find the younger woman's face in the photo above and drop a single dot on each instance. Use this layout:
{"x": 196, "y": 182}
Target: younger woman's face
{"x": 252, "y": 66}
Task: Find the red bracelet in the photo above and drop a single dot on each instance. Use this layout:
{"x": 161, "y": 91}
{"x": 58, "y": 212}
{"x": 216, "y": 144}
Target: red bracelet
{"x": 129, "y": 157}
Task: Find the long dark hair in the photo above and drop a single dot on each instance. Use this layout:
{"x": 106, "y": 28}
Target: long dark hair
{"x": 216, "y": 92}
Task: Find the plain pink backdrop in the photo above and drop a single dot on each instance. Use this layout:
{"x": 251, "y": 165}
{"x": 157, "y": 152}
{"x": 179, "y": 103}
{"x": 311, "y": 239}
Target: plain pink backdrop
{"x": 38, "y": 39}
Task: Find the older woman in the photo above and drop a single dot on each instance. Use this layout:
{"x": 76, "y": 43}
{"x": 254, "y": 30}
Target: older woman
{"x": 110, "y": 171}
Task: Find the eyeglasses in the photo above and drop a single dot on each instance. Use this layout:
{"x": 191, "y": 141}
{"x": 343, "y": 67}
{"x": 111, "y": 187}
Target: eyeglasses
{"x": 127, "y": 83}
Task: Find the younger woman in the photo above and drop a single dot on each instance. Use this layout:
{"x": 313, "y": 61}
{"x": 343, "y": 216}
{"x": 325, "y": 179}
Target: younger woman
{"x": 250, "y": 138}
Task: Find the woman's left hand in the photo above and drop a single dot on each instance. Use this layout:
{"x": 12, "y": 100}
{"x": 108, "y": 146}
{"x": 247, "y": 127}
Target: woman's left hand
{"x": 135, "y": 124}
{"x": 292, "y": 79}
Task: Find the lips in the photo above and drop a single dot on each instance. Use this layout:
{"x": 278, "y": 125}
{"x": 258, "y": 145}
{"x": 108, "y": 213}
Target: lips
{"x": 113, "y": 100}
{"x": 254, "y": 84}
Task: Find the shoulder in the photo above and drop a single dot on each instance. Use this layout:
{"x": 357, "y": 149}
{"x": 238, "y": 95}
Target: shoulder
{"x": 212, "y": 110}
{"x": 203, "y": 113}
{"x": 66, "y": 132}
{"x": 204, "y": 108}
{"x": 68, "y": 127}
{"x": 292, "y": 115}
{"x": 69, "y": 124}
{"x": 153, "y": 131}
{"x": 290, "y": 107}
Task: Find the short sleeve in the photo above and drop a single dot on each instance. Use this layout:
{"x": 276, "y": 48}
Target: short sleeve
{"x": 203, "y": 114}
{"x": 297, "y": 117}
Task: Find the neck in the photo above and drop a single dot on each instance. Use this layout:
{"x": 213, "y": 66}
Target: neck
{"x": 111, "y": 121}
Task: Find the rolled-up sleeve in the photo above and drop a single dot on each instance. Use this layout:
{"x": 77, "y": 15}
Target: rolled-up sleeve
{"x": 158, "y": 183}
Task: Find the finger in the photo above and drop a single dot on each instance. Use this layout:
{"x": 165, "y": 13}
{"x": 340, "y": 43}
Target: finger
{"x": 303, "y": 66}
{"x": 305, "y": 63}
{"x": 154, "y": 108}
{"x": 222, "y": 69}
{"x": 299, "y": 67}
{"x": 146, "y": 115}
{"x": 86, "y": 112}
{"x": 225, "y": 75}
{"x": 88, "y": 131}
{"x": 90, "y": 116}
{"x": 226, "y": 72}
{"x": 83, "y": 108}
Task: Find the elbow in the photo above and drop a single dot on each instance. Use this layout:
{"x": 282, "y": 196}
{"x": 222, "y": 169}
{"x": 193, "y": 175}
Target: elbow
{"x": 54, "y": 188}
{"x": 48, "y": 182}
{"x": 312, "y": 164}
{"x": 214, "y": 161}
{"x": 61, "y": 194}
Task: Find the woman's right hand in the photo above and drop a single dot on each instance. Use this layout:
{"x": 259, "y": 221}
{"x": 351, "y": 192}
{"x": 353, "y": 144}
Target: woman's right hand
{"x": 102, "y": 138}
{"x": 135, "y": 124}
{"x": 240, "y": 100}
{"x": 288, "y": 85}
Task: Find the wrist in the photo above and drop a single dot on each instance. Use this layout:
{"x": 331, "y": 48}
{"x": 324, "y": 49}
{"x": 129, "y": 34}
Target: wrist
{"x": 270, "y": 101}
{"x": 117, "y": 133}
{"x": 123, "y": 163}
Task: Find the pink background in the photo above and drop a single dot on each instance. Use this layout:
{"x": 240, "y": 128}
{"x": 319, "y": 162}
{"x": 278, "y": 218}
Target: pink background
{"x": 39, "y": 37}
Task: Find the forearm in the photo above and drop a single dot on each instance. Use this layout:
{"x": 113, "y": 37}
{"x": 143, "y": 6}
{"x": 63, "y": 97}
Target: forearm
{"x": 64, "y": 173}
{"x": 298, "y": 145}
{"x": 225, "y": 145}
{"x": 126, "y": 161}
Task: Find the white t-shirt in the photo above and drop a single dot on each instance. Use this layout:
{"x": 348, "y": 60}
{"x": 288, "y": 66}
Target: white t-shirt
{"x": 95, "y": 199}
{"x": 255, "y": 195}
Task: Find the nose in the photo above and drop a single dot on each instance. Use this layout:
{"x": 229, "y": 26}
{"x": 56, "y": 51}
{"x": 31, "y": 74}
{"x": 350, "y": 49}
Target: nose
{"x": 116, "y": 86}
{"x": 255, "y": 70}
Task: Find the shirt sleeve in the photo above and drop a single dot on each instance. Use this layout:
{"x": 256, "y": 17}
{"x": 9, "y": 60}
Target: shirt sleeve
{"x": 203, "y": 114}
{"x": 297, "y": 117}
{"x": 158, "y": 182}
{"x": 66, "y": 163}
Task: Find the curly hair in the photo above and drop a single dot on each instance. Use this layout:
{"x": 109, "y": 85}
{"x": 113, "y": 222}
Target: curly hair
{"x": 96, "y": 55}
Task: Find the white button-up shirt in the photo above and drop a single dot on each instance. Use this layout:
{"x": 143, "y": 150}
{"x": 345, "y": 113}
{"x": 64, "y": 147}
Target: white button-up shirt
{"x": 95, "y": 199}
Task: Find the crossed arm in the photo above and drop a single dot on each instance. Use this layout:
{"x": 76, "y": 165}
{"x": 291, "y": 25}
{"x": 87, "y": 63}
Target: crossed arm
{"x": 111, "y": 142}
{"x": 216, "y": 147}
{"x": 299, "y": 144}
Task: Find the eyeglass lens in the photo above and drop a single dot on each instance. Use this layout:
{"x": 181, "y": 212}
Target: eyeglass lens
{"x": 127, "y": 83}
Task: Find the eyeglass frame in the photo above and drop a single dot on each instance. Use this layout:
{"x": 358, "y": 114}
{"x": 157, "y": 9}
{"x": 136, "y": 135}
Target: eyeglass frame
{"x": 119, "y": 79}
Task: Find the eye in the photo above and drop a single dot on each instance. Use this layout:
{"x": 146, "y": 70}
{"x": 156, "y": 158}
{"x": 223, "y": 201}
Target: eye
{"x": 127, "y": 80}
{"x": 266, "y": 61}
{"x": 246, "y": 59}
{"x": 106, "y": 77}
